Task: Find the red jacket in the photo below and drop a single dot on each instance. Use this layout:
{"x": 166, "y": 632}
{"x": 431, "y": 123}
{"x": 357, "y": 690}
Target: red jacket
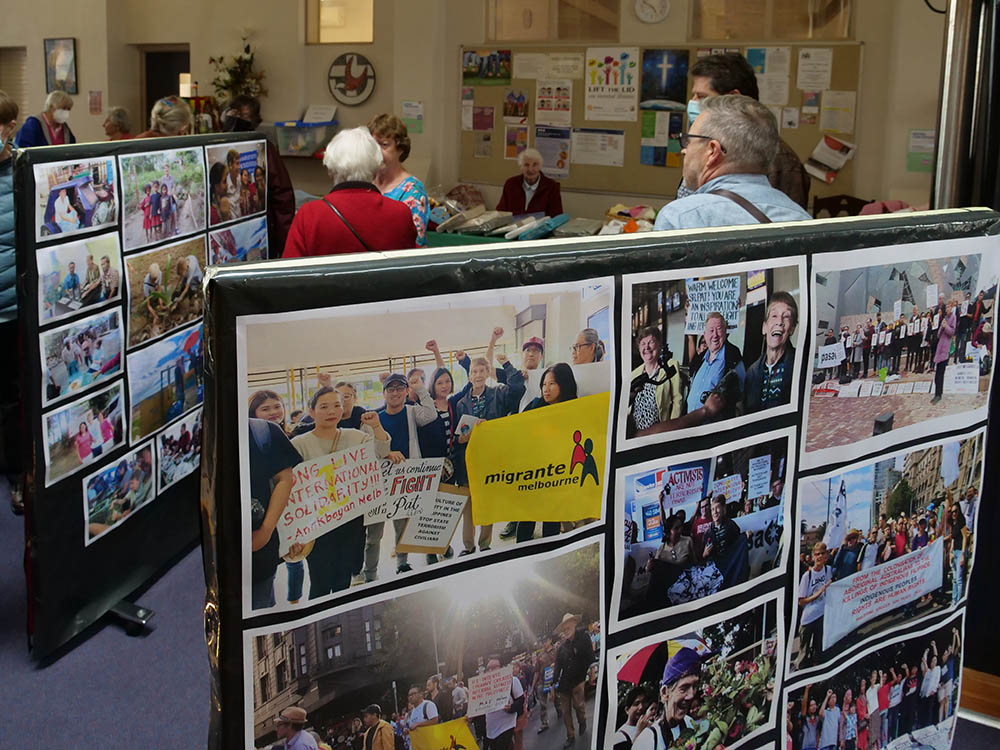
{"x": 546, "y": 198}
{"x": 383, "y": 224}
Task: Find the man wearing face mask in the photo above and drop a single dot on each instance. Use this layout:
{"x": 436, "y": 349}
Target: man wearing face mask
{"x": 49, "y": 128}
{"x": 732, "y": 74}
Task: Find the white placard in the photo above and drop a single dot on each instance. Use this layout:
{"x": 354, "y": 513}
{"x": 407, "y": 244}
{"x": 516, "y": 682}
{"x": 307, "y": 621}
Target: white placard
{"x": 530, "y": 65}
{"x": 490, "y": 691}
{"x": 759, "y": 483}
{"x": 720, "y": 295}
{"x": 815, "y": 68}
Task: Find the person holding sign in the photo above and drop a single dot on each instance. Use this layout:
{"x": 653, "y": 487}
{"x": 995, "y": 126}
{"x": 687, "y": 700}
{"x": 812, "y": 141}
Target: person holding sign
{"x": 943, "y": 351}
{"x": 769, "y": 379}
{"x": 500, "y": 724}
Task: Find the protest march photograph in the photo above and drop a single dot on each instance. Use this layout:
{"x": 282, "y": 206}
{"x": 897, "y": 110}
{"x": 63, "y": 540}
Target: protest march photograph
{"x": 164, "y": 289}
{"x": 237, "y": 181}
{"x": 473, "y": 422}
{"x": 901, "y": 695}
{"x": 78, "y": 276}
{"x": 901, "y": 349}
{"x": 244, "y": 241}
{"x": 708, "y": 685}
{"x": 81, "y": 432}
{"x": 113, "y": 493}
{"x": 701, "y": 525}
{"x": 178, "y": 449}
{"x": 883, "y": 542}
{"x": 73, "y": 197}
{"x": 711, "y": 352}
{"x": 81, "y": 354}
{"x": 165, "y": 380}
{"x": 494, "y": 657}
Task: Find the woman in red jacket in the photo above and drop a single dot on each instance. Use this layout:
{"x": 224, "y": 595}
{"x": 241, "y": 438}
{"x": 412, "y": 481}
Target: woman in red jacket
{"x": 530, "y": 191}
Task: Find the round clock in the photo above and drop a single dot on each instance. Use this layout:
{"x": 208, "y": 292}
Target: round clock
{"x": 652, "y": 11}
{"x": 351, "y": 79}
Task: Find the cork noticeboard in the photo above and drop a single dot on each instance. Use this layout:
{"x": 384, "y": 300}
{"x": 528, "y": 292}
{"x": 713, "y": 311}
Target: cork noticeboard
{"x": 642, "y": 179}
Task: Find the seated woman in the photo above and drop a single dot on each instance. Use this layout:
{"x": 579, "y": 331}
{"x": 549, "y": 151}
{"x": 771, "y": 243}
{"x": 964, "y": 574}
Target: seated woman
{"x": 65, "y": 214}
{"x": 655, "y": 393}
{"x": 674, "y": 556}
{"x": 395, "y": 182}
{"x": 530, "y": 191}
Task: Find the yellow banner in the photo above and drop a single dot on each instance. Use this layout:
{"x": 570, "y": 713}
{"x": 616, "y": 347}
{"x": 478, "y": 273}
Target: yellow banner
{"x": 452, "y": 735}
{"x": 546, "y": 464}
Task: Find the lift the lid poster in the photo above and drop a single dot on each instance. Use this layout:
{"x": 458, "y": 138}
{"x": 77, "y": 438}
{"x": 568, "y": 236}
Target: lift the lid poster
{"x": 612, "y": 83}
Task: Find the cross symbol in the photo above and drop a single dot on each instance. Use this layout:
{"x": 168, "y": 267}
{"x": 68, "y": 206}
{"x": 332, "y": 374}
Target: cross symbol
{"x": 665, "y": 65}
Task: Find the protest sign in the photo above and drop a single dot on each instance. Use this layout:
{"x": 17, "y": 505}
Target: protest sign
{"x": 490, "y": 691}
{"x": 731, "y": 487}
{"x": 861, "y": 597}
{"x": 410, "y": 488}
{"x": 897, "y": 309}
{"x": 720, "y": 295}
{"x": 329, "y": 491}
{"x": 765, "y": 528}
{"x": 432, "y": 532}
{"x": 962, "y": 378}
{"x": 759, "y": 483}
{"x": 932, "y": 295}
{"x": 684, "y": 486}
{"x": 652, "y": 522}
{"x": 455, "y": 733}
{"x": 831, "y": 355}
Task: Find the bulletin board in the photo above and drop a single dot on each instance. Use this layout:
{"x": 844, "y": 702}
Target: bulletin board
{"x": 633, "y": 177}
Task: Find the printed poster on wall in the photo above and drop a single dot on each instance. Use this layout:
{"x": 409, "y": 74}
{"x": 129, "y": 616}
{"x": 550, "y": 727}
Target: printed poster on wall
{"x": 664, "y": 79}
{"x": 554, "y": 146}
{"x": 598, "y": 146}
{"x": 660, "y": 145}
{"x": 612, "y": 83}
{"x": 486, "y": 67}
{"x": 515, "y": 106}
{"x": 515, "y": 140}
{"x": 553, "y": 101}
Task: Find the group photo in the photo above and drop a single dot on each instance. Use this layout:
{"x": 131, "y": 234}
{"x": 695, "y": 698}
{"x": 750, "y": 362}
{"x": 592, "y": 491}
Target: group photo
{"x": 73, "y": 197}
{"x": 113, "y": 493}
{"x": 178, "y": 449}
{"x": 244, "y": 241}
{"x": 501, "y": 398}
{"x": 165, "y": 380}
{"x": 504, "y": 656}
{"x": 81, "y": 432}
{"x": 164, "y": 289}
{"x": 163, "y": 194}
{"x": 81, "y": 354}
{"x": 700, "y": 525}
{"x": 77, "y": 276}
{"x": 882, "y": 543}
{"x": 237, "y": 181}
{"x": 678, "y": 690}
{"x": 711, "y": 351}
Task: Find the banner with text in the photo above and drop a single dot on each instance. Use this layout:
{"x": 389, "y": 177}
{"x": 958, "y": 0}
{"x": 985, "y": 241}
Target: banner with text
{"x": 763, "y": 531}
{"x": 451, "y": 734}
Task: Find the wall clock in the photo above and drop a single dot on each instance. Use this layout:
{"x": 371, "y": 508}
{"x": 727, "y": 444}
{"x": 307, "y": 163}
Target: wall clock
{"x": 652, "y": 11}
{"x": 351, "y": 79}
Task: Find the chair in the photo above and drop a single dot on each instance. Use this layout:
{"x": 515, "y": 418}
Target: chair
{"x": 835, "y": 205}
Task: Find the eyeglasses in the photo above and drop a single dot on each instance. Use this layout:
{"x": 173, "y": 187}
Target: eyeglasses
{"x": 395, "y": 388}
{"x": 685, "y": 139}
{"x": 577, "y": 347}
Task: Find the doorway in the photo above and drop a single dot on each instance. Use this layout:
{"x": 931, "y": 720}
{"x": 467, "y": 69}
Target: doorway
{"x": 161, "y": 69}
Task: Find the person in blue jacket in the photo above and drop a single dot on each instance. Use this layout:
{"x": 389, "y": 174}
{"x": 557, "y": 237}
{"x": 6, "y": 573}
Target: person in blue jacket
{"x": 50, "y": 127}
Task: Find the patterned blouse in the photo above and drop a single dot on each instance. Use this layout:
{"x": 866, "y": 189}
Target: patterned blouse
{"x": 411, "y": 192}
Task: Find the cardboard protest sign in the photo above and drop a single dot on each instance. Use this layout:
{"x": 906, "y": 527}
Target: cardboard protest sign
{"x": 490, "y": 691}
{"x": 432, "y": 532}
{"x": 831, "y": 355}
{"x": 685, "y": 486}
{"x": 759, "y": 483}
{"x": 720, "y": 295}
{"x": 410, "y": 487}
{"x": 731, "y": 487}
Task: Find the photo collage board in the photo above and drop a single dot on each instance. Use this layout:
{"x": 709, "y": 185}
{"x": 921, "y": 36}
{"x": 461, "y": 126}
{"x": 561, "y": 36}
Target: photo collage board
{"x": 120, "y": 237}
{"x": 635, "y": 502}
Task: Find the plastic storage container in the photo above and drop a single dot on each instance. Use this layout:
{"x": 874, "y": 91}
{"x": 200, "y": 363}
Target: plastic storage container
{"x": 297, "y": 138}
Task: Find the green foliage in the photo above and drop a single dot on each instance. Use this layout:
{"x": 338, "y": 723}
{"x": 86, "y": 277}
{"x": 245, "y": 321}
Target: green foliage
{"x": 900, "y": 499}
{"x": 237, "y": 76}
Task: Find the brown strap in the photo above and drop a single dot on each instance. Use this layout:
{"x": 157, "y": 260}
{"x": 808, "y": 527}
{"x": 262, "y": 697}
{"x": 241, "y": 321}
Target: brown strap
{"x": 743, "y": 203}
{"x": 347, "y": 224}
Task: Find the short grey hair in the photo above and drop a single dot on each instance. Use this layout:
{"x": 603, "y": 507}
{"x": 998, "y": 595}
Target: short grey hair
{"x": 745, "y": 128}
{"x": 58, "y": 100}
{"x": 171, "y": 115}
{"x": 529, "y": 153}
{"x": 352, "y": 155}
{"x": 119, "y": 116}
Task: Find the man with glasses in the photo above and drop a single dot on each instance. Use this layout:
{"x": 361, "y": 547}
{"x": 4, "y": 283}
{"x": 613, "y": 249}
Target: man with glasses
{"x": 812, "y": 601}
{"x": 423, "y": 712}
{"x": 289, "y": 727}
{"x": 728, "y": 152}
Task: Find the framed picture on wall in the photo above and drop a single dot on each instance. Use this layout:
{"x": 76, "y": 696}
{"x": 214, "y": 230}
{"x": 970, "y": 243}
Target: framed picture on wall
{"x": 60, "y": 65}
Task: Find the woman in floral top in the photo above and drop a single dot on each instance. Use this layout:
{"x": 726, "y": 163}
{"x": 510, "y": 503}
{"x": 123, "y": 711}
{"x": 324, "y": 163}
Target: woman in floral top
{"x": 394, "y": 181}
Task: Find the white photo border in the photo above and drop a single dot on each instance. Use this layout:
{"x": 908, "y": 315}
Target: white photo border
{"x": 38, "y": 169}
{"x": 46, "y": 402}
{"x": 42, "y": 320}
{"x": 87, "y": 539}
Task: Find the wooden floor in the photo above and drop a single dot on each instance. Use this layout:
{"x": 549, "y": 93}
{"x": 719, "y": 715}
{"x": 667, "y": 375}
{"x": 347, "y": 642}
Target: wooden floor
{"x": 980, "y": 692}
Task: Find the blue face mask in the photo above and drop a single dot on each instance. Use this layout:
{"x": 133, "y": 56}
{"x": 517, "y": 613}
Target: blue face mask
{"x": 694, "y": 109}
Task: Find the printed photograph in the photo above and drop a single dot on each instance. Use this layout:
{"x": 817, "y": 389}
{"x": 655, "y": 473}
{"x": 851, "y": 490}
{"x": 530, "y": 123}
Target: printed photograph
{"x": 78, "y": 434}
{"x": 701, "y": 524}
{"x": 115, "y": 492}
{"x": 901, "y": 349}
{"x": 178, "y": 450}
{"x": 60, "y": 65}
{"x": 502, "y": 655}
{"x": 491, "y": 67}
{"x": 498, "y": 401}
{"x": 81, "y": 354}
{"x": 164, "y": 289}
{"x": 883, "y": 543}
{"x": 244, "y": 241}
{"x": 73, "y": 197}
{"x": 712, "y": 352}
{"x": 163, "y": 196}
{"x": 78, "y": 276}
{"x": 165, "y": 380}
{"x": 237, "y": 180}
{"x": 709, "y": 686}
{"x": 902, "y": 695}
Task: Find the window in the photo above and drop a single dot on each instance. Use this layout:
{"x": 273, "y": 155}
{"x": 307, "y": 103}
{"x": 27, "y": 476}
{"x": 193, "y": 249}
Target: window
{"x": 337, "y": 651}
{"x": 785, "y": 20}
{"x": 276, "y": 639}
{"x": 261, "y": 645}
{"x": 280, "y": 677}
{"x": 340, "y": 21}
{"x": 335, "y": 632}
{"x": 291, "y": 662}
{"x": 378, "y": 641}
{"x": 265, "y": 689}
{"x": 303, "y": 662}
{"x": 329, "y": 653}
{"x": 552, "y": 20}
{"x": 12, "y": 77}
{"x": 368, "y": 641}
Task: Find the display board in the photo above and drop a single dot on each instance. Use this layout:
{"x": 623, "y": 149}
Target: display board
{"x": 113, "y": 241}
{"x": 670, "y": 524}
{"x": 654, "y": 76}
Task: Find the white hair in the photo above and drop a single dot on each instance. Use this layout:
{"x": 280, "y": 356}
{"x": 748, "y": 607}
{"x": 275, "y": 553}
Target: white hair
{"x": 58, "y": 100}
{"x": 529, "y": 153}
{"x": 352, "y": 156}
{"x": 119, "y": 116}
{"x": 171, "y": 115}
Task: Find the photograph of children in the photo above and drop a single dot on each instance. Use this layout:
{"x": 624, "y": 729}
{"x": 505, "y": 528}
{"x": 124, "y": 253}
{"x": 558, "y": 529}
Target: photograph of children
{"x": 882, "y": 543}
{"x": 677, "y": 690}
{"x": 81, "y": 432}
{"x": 701, "y": 525}
{"x": 431, "y": 385}
{"x": 482, "y": 67}
{"x": 164, "y": 288}
{"x": 709, "y": 352}
{"x": 237, "y": 180}
{"x": 164, "y": 196}
{"x": 244, "y": 241}
{"x": 115, "y": 492}
{"x": 490, "y": 658}
{"x": 78, "y": 276}
{"x": 73, "y": 197}
{"x": 81, "y": 354}
{"x": 179, "y": 450}
{"x": 899, "y": 695}
{"x": 165, "y": 380}
{"x": 901, "y": 349}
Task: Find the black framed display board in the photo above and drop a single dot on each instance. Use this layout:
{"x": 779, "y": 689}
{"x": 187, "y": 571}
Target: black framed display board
{"x": 113, "y": 242}
{"x": 718, "y": 473}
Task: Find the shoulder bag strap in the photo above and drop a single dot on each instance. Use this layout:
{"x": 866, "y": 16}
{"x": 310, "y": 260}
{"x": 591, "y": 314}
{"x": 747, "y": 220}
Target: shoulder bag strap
{"x": 347, "y": 224}
{"x": 743, "y": 203}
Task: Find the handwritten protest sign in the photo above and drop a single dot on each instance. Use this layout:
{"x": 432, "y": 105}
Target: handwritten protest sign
{"x": 831, "y": 355}
{"x": 329, "y": 491}
{"x": 684, "y": 486}
{"x": 962, "y": 378}
{"x": 759, "y": 483}
{"x": 432, "y": 532}
{"x": 731, "y": 487}
{"x": 410, "y": 489}
{"x": 720, "y": 295}
{"x": 490, "y": 691}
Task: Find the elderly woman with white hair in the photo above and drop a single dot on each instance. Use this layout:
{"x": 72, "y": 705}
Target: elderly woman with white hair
{"x": 117, "y": 126}
{"x": 171, "y": 115}
{"x": 354, "y": 216}
{"x": 48, "y": 128}
{"x": 531, "y": 191}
